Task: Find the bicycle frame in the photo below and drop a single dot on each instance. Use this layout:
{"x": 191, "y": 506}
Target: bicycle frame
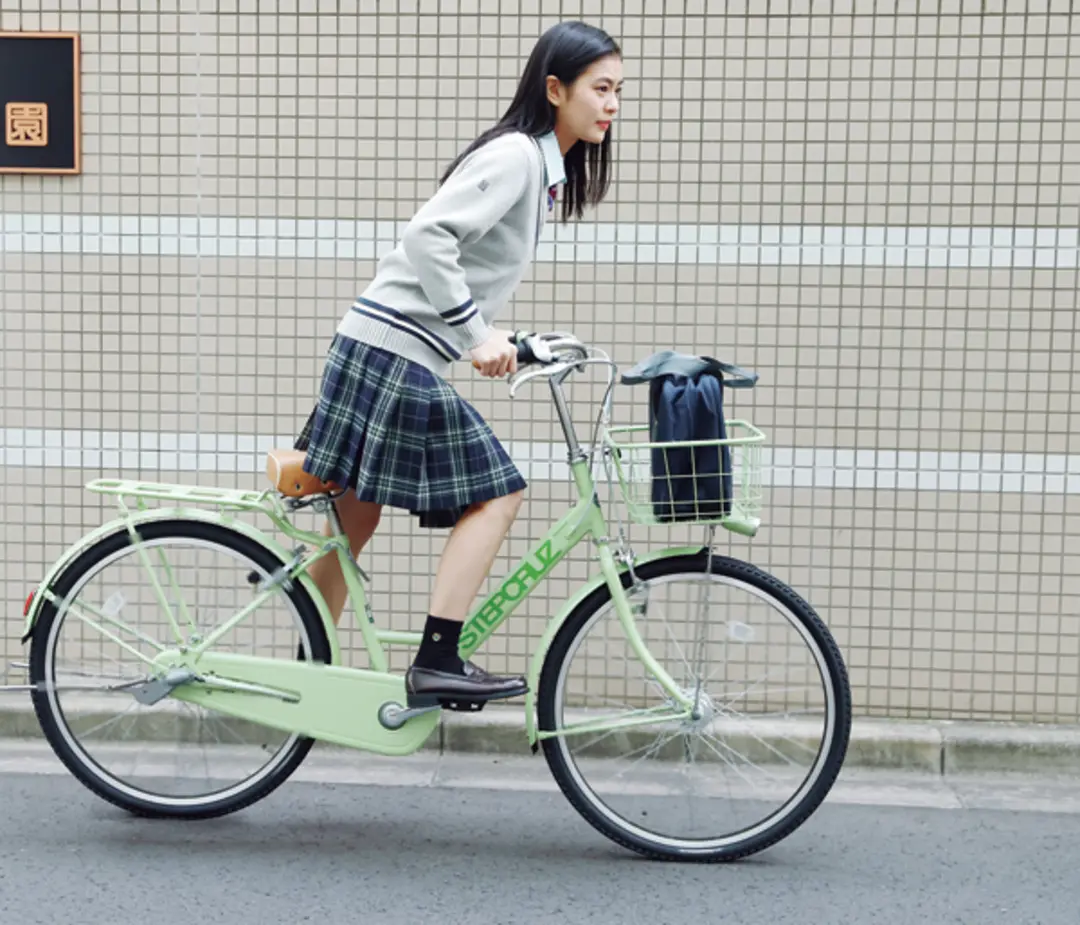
{"x": 584, "y": 520}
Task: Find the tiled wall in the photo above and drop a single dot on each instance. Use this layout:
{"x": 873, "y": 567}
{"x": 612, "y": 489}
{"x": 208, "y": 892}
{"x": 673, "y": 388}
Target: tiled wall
{"x": 874, "y": 208}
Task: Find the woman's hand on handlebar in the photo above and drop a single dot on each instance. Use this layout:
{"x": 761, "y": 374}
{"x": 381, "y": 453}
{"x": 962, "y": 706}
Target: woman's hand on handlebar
{"x": 497, "y": 356}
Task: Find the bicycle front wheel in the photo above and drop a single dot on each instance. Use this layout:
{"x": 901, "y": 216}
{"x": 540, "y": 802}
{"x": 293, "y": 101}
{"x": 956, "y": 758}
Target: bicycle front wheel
{"x": 754, "y": 755}
{"x": 119, "y": 604}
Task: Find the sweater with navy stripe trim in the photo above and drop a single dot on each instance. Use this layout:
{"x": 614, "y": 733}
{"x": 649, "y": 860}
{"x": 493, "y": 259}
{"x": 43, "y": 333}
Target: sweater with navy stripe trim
{"x": 436, "y": 295}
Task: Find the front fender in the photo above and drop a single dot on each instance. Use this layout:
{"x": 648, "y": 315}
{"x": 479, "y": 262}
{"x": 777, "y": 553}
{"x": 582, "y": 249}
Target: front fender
{"x": 555, "y": 624}
{"x": 136, "y": 519}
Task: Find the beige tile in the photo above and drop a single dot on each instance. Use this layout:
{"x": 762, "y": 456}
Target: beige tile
{"x": 946, "y": 604}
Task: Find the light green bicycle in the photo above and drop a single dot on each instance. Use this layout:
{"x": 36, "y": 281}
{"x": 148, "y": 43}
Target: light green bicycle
{"x": 689, "y": 705}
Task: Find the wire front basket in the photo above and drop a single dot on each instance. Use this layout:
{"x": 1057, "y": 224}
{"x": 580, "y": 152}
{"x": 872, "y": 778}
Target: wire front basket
{"x": 690, "y": 481}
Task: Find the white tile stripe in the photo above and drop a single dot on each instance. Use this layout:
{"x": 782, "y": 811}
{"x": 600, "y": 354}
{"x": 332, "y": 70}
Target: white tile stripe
{"x": 761, "y": 245}
{"x": 927, "y": 470}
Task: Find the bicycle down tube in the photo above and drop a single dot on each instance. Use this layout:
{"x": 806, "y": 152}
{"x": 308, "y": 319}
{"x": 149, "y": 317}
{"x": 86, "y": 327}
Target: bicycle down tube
{"x": 584, "y": 519}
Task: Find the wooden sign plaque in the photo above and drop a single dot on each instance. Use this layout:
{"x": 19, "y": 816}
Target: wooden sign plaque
{"x": 39, "y": 103}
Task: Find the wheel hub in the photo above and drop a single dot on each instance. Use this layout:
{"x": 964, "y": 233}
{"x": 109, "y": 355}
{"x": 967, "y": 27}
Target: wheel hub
{"x": 155, "y": 689}
{"x": 702, "y": 714}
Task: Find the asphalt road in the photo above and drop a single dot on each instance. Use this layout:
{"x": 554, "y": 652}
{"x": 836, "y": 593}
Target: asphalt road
{"x": 326, "y": 848}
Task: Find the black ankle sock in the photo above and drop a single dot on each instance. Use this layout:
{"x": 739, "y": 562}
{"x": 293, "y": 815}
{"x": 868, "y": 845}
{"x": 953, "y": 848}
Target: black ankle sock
{"x": 439, "y": 648}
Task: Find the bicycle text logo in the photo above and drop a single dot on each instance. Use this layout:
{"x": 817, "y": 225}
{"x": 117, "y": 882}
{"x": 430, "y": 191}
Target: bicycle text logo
{"x": 512, "y": 591}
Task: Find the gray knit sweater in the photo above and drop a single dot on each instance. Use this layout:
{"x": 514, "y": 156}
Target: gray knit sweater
{"x": 436, "y": 295}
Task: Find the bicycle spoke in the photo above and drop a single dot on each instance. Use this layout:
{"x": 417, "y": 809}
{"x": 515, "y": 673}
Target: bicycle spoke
{"x": 772, "y": 748}
{"x": 726, "y": 761}
{"x": 756, "y": 686}
{"x": 224, "y": 724}
{"x": 104, "y": 632}
{"x": 120, "y": 678}
{"x": 678, "y": 649}
{"x": 768, "y": 690}
{"x": 659, "y": 742}
{"x": 641, "y": 720}
{"x": 111, "y": 619}
{"x": 109, "y": 722}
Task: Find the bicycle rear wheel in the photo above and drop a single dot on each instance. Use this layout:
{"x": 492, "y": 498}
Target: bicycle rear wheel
{"x": 763, "y": 744}
{"x": 170, "y": 758}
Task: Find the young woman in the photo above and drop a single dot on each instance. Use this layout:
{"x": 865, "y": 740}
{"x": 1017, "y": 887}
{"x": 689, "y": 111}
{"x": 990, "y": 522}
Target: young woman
{"x": 387, "y": 423}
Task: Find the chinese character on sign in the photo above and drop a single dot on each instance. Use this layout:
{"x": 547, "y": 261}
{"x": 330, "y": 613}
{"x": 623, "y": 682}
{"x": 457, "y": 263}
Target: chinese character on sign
{"x": 26, "y": 125}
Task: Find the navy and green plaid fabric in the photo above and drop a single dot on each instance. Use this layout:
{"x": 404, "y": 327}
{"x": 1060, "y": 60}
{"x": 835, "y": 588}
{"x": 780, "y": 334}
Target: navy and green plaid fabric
{"x": 400, "y": 435}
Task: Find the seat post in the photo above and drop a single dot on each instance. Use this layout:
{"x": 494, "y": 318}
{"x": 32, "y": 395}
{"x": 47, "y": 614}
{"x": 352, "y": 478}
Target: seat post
{"x": 332, "y": 516}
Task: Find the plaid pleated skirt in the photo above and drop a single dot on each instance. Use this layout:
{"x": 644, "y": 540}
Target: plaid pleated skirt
{"x": 399, "y": 435}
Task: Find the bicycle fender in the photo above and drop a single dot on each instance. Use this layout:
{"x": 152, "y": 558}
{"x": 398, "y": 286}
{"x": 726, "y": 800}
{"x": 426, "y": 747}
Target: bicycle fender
{"x": 136, "y": 519}
{"x": 555, "y": 624}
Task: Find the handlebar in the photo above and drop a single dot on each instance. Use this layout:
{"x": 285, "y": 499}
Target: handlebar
{"x": 555, "y": 355}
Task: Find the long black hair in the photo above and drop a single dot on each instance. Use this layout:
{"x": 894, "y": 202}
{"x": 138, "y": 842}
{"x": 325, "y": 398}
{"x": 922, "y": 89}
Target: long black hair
{"x": 564, "y": 51}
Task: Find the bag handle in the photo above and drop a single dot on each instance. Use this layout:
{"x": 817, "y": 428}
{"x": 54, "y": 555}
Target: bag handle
{"x": 670, "y": 363}
{"x": 743, "y": 379}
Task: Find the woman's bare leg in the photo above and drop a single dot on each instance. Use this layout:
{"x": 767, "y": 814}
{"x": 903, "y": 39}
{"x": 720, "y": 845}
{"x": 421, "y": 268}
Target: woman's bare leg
{"x": 359, "y": 520}
{"x": 469, "y": 554}
{"x": 438, "y": 674}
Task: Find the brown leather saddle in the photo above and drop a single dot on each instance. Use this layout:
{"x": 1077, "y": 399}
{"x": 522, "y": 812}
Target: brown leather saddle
{"x": 285, "y": 469}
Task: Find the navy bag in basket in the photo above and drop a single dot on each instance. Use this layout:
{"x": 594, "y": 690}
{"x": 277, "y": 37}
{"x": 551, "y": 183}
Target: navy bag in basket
{"x": 686, "y": 402}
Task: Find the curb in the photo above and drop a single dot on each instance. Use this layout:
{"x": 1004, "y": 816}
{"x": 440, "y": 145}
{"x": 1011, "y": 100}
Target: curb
{"x": 939, "y": 748}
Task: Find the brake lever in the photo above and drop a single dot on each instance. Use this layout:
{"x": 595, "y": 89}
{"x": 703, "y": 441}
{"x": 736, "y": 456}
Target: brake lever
{"x": 524, "y": 376}
{"x": 554, "y": 369}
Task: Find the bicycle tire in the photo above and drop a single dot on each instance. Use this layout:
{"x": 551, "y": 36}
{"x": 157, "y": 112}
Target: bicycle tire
{"x": 587, "y": 803}
{"x": 43, "y": 645}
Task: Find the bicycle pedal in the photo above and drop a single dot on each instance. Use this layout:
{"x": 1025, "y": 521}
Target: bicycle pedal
{"x": 463, "y": 706}
{"x": 430, "y": 701}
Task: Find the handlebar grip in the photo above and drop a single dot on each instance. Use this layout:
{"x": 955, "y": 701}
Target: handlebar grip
{"x": 524, "y": 348}
{"x": 525, "y": 352}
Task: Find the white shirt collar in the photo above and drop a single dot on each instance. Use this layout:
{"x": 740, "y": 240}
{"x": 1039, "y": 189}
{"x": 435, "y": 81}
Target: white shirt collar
{"x": 553, "y": 159}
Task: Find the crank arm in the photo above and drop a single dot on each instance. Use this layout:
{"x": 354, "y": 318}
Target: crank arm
{"x": 394, "y": 716}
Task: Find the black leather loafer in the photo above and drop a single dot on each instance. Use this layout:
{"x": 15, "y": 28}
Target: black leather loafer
{"x": 427, "y": 687}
